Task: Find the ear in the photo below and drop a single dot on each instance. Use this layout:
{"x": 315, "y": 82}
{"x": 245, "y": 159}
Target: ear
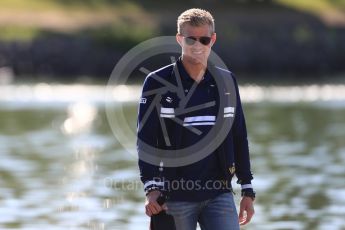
{"x": 179, "y": 39}
{"x": 213, "y": 38}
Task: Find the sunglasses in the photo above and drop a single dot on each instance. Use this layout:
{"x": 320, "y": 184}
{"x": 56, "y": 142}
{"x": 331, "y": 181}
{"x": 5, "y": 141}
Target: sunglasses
{"x": 203, "y": 40}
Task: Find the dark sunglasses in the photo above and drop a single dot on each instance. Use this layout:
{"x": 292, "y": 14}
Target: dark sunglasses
{"x": 191, "y": 40}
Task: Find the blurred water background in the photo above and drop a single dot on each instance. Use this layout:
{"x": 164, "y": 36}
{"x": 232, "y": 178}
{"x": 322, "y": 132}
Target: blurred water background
{"x": 61, "y": 166}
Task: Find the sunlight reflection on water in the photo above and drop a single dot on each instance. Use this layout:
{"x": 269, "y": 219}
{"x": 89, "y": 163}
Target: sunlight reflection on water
{"x": 46, "y": 94}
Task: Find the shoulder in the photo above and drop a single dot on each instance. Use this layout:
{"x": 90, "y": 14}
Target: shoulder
{"x": 224, "y": 72}
{"x": 154, "y": 79}
{"x": 161, "y": 73}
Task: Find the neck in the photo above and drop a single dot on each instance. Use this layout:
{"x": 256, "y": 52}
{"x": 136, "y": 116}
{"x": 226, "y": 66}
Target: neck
{"x": 195, "y": 70}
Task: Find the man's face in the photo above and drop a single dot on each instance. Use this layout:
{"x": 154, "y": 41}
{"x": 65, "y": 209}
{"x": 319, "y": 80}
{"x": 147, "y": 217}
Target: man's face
{"x": 191, "y": 39}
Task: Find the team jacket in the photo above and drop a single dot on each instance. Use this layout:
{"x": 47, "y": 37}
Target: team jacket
{"x": 161, "y": 126}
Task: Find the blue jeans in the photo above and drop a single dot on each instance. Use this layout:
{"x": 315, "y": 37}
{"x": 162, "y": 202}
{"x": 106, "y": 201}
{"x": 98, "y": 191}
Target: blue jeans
{"x": 217, "y": 213}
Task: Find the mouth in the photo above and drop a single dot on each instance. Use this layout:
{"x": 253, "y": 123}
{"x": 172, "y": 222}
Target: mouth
{"x": 199, "y": 52}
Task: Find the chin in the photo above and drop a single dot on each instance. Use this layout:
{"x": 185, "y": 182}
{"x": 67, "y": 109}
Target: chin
{"x": 197, "y": 60}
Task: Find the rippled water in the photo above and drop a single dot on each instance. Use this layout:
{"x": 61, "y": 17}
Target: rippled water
{"x": 62, "y": 168}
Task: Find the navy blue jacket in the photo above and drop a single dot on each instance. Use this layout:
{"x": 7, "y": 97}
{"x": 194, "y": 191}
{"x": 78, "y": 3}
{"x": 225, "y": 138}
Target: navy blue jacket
{"x": 229, "y": 158}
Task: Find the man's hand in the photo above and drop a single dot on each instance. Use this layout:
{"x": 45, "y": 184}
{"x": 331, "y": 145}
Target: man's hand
{"x": 151, "y": 205}
{"x": 246, "y": 207}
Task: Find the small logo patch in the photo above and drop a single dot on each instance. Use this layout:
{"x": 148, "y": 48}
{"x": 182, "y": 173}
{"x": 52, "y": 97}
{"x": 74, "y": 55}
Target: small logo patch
{"x": 232, "y": 169}
{"x": 169, "y": 99}
{"x": 143, "y": 100}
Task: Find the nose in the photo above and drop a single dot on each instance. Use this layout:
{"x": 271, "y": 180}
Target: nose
{"x": 198, "y": 45}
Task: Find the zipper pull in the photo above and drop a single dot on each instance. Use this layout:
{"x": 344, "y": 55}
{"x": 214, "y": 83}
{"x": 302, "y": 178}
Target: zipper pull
{"x": 161, "y": 164}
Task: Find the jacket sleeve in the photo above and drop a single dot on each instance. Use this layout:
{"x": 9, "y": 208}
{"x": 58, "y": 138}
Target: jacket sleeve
{"x": 242, "y": 159}
{"x": 147, "y": 132}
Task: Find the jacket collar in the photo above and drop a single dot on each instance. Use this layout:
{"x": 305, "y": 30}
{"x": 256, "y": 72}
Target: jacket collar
{"x": 186, "y": 77}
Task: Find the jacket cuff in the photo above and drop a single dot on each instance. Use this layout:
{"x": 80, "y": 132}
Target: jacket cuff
{"x": 247, "y": 188}
{"x": 153, "y": 185}
{"x": 244, "y": 182}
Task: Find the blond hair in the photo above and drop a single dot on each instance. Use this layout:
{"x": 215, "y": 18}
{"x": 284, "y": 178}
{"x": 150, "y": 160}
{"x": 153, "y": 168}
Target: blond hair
{"x": 195, "y": 17}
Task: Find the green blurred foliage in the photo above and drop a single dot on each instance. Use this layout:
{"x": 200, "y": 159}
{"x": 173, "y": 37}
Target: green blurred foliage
{"x": 128, "y": 28}
{"x": 18, "y": 33}
{"x": 253, "y": 31}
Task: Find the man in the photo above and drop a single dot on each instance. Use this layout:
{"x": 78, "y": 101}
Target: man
{"x": 211, "y": 206}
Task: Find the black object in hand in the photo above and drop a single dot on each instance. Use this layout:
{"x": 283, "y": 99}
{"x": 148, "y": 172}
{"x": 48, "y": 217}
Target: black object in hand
{"x": 161, "y": 199}
{"x": 162, "y": 220}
